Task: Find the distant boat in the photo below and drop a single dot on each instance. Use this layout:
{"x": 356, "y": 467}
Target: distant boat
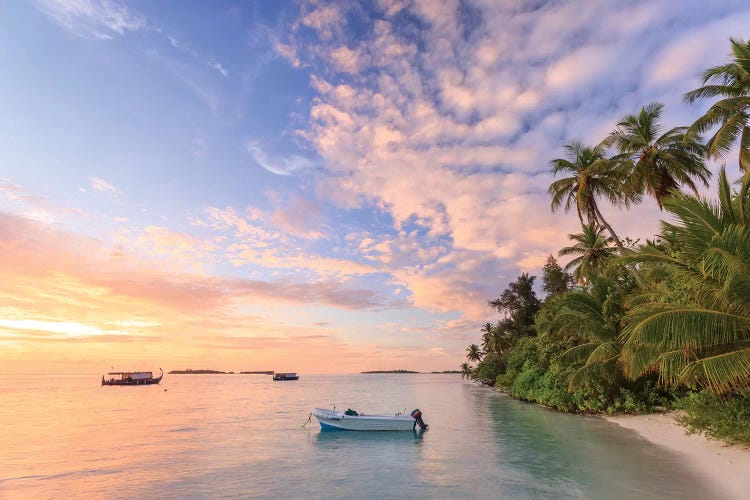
{"x": 285, "y": 376}
{"x": 353, "y": 421}
{"x": 131, "y": 378}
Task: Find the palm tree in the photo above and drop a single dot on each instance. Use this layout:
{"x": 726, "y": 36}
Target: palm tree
{"x": 474, "y": 353}
{"x": 590, "y": 175}
{"x": 589, "y": 316}
{"x": 697, "y": 333}
{"x": 730, "y": 82}
{"x": 465, "y": 370}
{"x": 592, "y": 251}
{"x": 661, "y": 162}
{"x": 488, "y": 337}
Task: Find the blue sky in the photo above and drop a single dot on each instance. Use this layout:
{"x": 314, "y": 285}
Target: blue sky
{"x": 331, "y": 180}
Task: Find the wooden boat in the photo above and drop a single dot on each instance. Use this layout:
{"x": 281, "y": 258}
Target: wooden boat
{"x": 131, "y": 378}
{"x": 285, "y": 376}
{"x": 353, "y": 421}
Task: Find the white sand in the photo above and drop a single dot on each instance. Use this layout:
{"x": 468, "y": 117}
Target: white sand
{"x": 725, "y": 468}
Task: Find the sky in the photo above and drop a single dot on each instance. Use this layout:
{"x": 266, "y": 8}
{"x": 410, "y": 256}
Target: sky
{"x": 326, "y": 187}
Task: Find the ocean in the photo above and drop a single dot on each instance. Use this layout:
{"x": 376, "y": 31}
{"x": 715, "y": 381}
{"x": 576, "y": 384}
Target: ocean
{"x": 245, "y": 436}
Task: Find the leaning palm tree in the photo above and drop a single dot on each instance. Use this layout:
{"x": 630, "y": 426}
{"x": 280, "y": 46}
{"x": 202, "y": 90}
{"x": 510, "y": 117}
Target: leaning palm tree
{"x": 589, "y": 175}
{"x": 465, "y": 370}
{"x": 697, "y": 330}
{"x": 731, "y": 83}
{"x": 474, "y": 353}
{"x": 592, "y": 251}
{"x": 662, "y": 163}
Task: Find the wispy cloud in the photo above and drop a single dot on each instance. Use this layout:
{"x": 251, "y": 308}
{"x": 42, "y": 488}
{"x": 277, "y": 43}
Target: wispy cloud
{"x": 218, "y": 67}
{"x": 32, "y": 205}
{"x": 102, "y": 19}
{"x": 101, "y": 185}
{"x": 280, "y": 165}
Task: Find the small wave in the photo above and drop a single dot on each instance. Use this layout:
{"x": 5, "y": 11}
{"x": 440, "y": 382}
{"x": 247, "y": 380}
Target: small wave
{"x": 184, "y": 429}
{"x": 75, "y": 473}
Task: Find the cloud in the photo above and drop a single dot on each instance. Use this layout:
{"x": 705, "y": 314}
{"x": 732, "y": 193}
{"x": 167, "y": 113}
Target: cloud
{"x": 671, "y": 64}
{"x": 102, "y": 19}
{"x": 101, "y": 185}
{"x": 218, "y": 67}
{"x": 275, "y": 240}
{"x": 282, "y": 165}
{"x": 325, "y": 19}
{"x": 33, "y": 206}
{"x": 86, "y": 262}
{"x": 184, "y": 250}
{"x": 347, "y": 60}
{"x": 454, "y": 112}
{"x": 288, "y": 52}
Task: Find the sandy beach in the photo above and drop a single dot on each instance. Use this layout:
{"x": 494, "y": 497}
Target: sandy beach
{"x": 726, "y": 468}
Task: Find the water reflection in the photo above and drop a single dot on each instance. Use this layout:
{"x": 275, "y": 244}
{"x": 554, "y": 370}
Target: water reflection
{"x": 549, "y": 453}
{"x": 230, "y": 436}
{"x": 340, "y": 436}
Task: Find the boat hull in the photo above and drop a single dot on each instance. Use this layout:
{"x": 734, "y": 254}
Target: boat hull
{"x": 132, "y": 381}
{"x": 332, "y": 420}
{"x": 151, "y": 381}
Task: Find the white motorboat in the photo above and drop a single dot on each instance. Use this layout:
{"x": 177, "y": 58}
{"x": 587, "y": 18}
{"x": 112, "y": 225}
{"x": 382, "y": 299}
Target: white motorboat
{"x": 353, "y": 421}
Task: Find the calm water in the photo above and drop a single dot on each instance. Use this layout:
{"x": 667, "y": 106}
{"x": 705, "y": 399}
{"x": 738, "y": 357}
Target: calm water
{"x": 239, "y": 436}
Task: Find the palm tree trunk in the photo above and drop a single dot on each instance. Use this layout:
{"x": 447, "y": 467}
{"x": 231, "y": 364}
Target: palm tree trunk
{"x": 619, "y": 245}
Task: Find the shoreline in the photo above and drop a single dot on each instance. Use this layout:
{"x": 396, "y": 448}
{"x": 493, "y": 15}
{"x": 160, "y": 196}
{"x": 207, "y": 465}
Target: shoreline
{"x": 724, "y": 467}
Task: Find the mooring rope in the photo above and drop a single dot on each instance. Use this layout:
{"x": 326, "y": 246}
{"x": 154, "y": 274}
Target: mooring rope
{"x": 309, "y": 419}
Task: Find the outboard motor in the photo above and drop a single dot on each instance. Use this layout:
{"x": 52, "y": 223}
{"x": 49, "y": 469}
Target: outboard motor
{"x": 417, "y": 416}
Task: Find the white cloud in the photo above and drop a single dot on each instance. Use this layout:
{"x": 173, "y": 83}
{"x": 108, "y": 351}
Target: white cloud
{"x": 98, "y": 184}
{"x": 684, "y": 58}
{"x": 218, "y": 67}
{"x": 288, "y": 52}
{"x": 282, "y": 165}
{"x": 103, "y": 19}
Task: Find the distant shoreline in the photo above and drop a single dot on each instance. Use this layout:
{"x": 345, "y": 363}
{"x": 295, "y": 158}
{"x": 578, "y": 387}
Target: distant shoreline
{"x": 215, "y": 372}
{"x": 389, "y": 371}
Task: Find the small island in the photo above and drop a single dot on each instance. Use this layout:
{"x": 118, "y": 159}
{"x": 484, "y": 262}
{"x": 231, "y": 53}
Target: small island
{"x": 448, "y": 371}
{"x": 390, "y": 371}
{"x": 216, "y": 372}
{"x": 196, "y": 372}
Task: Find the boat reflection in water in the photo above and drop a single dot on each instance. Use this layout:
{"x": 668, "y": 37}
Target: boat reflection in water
{"x": 324, "y": 437}
{"x": 131, "y": 378}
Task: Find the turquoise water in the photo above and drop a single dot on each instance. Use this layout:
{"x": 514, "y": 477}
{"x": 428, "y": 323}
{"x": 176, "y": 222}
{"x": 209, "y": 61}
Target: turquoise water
{"x": 240, "y": 436}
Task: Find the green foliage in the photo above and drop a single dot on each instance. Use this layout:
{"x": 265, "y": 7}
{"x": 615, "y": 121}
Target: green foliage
{"x": 727, "y": 419}
{"x": 534, "y": 372}
{"x": 520, "y": 304}
{"x": 698, "y": 332}
{"x": 473, "y": 353}
{"x": 592, "y": 252}
{"x": 554, "y": 279}
{"x": 658, "y": 163}
{"x": 489, "y": 368}
{"x": 731, "y": 83}
{"x": 587, "y": 175}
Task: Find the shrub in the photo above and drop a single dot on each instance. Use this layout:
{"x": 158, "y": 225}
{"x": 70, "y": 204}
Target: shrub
{"x": 489, "y": 368}
{"x": 533, "y": 372}
{"x": 726, "y": 419}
